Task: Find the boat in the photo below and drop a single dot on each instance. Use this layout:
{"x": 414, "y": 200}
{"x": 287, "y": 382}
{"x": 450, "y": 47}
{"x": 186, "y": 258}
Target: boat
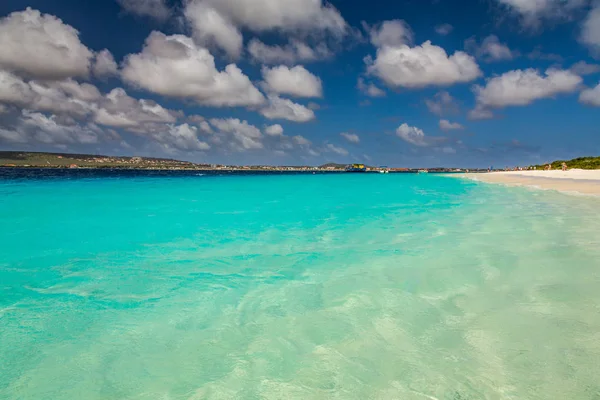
{"x": 384, "y": 170}
{"x": 356, "y": 168}
{"x": 423, "y": 171}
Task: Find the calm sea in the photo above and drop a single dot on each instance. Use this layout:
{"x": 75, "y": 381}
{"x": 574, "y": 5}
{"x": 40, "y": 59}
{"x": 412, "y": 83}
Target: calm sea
{"x": 165, "y": 286}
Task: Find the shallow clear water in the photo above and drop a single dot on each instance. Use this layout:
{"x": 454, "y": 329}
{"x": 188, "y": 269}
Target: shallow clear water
{"x": 139, "y": 286}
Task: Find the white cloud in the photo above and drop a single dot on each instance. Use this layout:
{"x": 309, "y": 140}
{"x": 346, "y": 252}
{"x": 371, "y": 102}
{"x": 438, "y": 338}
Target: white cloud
{"x": 211, "y": 28}
{"x": 444, "y": 29}
{"x": 301, "y": 140}
{"x": 412, "y": 135}
{"x": 534, "y": 11}
{"x": 351, "y": 137}
{"x": 105, "y": 64}
{"x": 490, "y": 49}
{"x": 175, "y": 66}
{"x": 34, "y": 127}
{"x": 180, "y": 137}
{"x": 274, "y": 130}
{"x": 83, "y": 101}
{"x": 286, "y": 15}
{"x": 205, "y": 127}
{"x": 157, "y": 9}
{"x": 296, "y": 81}
{"x": 247, "y": 136}
{"x": 293, "y": 52}
{"x": 369, "y": 89}
{"x": 118, "y": 109}
{"x": 479, "y": 113}
{"x": 420, "y": 66}
{"x": 446, "y": 125}
{"x": 59, "y": 97}
{"x": 278, "y": 108}
{"x": 42, "y": 46}
{"x": 335, "y": 149}
{"x": 522, "y": 87}
{"x": 442, "y": 103}
{"x": 582, "y": 68}
{"x": 448, "y": 150}
{"x": 196, "y": 118}
{"x": 591, "y": 97}
{"x": 392, "y": 33}
{"x": 590, "y": 30}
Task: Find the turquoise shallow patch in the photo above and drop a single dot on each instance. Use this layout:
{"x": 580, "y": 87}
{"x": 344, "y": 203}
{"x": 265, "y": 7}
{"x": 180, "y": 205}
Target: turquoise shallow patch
{"x": 299, "y": 286}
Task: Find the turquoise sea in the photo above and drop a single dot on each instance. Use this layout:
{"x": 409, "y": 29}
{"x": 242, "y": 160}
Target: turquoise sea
{"x": 188, "y": 286}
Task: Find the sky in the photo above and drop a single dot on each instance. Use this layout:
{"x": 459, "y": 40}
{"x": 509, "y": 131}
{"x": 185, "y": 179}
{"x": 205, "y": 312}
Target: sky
{"x": 403, "y": 83}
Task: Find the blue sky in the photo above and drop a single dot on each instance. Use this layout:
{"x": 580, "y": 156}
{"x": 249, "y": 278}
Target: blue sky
{"x": 400, "y": 83}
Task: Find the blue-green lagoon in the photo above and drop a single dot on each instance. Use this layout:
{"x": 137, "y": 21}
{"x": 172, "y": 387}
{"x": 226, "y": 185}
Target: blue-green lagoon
{"x": 188, "y": 286}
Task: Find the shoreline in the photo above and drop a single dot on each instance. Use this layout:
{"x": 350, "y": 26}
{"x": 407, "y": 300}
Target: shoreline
{"x": 585, "y": 182}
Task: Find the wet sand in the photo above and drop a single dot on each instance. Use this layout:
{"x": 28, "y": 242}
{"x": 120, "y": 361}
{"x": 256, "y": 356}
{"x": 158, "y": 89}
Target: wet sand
{"x": 574, "y": 181}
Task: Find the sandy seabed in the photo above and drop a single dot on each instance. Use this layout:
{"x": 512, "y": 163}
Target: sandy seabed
{"x": 574, "y": 181}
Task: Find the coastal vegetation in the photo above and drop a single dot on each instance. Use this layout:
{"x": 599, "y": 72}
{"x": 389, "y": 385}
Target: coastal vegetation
{"x": 576, "y": 163}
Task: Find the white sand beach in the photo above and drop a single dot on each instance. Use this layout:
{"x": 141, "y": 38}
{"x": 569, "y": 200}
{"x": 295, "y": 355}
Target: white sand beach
{"x": 575, "y": 180}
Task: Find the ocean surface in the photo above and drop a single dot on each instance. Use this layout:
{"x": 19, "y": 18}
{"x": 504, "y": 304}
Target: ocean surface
{"x": 169, "y": 286}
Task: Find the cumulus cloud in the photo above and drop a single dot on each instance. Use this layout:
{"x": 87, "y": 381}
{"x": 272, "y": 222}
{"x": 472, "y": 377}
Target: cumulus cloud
{"x": 479, "y": 113}
{"x": 104, "y": 64}
{"x": 211, "y": 28}
{"x": 590, "y": 30}
{"x": 444, "y": 29}
{"x": 582, "y": 68}
{"x": 294, "y": 52}
{"x": 335, "y": 149}
{"x": 247, "y": 136}
{"x": 175, "y": 66}
{"x": 369, "y": 89}
{"x": 446, "y": 125}
{"x": 42, "y": 46}
{"x": 220, "y": 23}
{"x": 442, "y": 104}
{"x": 390, "y": 33}
{"x": 59, "y": 97}
{"x": 490, "y": 49}
{"x": 196, "y": 118}
{"x": 533, "y": 12}
{"x": 156, "y": 9}
{"x": 296, "y": 81}
{"x": 118, "y": 109}
{"x": 35, "y": 127}
{"x": 351, "y": 137}
{"x": 421, "y": 66}
{"x": 522, "y": 87}
{"x": 412, "y": 135}
{"x": 288, "y": 15}
{"x": 274, "y": 130}
{"x": 180, "y": 137}
{"x": 301, "y": 140}
{"x": 591, "y": 97}
{"x": 83, "y": 101}
{"x": 278, "y": 108}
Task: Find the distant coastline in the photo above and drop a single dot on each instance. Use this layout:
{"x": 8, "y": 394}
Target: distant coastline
{"x": 35, "y": 160}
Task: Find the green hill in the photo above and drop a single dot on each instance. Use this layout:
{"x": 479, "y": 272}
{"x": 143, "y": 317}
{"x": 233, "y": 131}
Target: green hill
{"x": 579, "y": 163}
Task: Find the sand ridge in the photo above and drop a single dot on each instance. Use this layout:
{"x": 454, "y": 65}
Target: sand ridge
{"x": 575, "y": 180}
